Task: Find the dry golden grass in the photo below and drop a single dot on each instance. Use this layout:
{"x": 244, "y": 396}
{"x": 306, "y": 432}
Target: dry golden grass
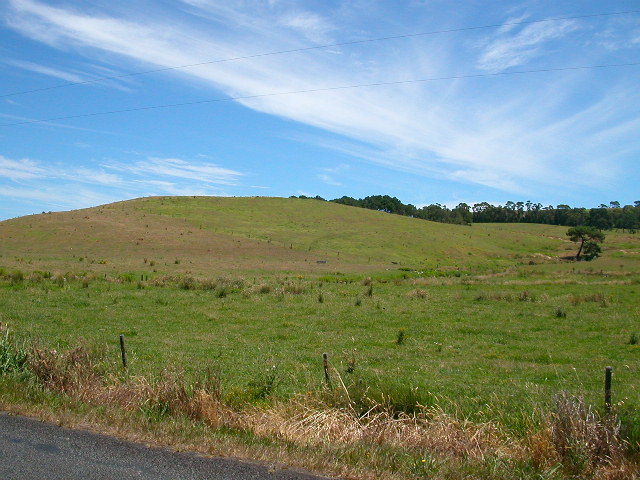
{"x": 108, "y": 239}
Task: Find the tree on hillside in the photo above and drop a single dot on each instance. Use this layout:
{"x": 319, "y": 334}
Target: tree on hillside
{"x": 589, "y": 238}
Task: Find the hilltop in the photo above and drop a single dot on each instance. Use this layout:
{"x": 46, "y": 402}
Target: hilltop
{"x": 201, "y": 235}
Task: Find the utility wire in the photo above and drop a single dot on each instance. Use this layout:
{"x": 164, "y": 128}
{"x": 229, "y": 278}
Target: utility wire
{"x": 322, "y": 89}
{"x": 316, "y": 47}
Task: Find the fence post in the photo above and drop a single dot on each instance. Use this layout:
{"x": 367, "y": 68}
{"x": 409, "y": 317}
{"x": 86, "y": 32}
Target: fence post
{"x": 325, "y": 358}
{"x": 123, "y": 351}
{"x": 608, "y": 372}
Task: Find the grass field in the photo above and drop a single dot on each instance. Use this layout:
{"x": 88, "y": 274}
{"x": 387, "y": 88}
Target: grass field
{"x": 242, "y": 235}
{"x": 483, "y": 323}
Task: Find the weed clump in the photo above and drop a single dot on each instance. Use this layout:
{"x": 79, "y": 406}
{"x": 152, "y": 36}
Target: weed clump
{"x": 418, "y": 293}
{"x": 525, "y": 296}
{"x": 16, "y": 277}
{"x": 221, "y": 292}
{"x": 293, "y": 288}
{"x": 600, "y": 298}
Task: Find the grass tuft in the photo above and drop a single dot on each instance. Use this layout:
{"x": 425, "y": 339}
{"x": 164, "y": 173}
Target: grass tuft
{"x": 584, "y": 441}
{"x": 13, "y": 356}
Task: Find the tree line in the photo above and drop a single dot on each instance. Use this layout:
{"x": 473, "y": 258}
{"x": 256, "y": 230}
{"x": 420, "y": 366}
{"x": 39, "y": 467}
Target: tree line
{"x": 604, "y": 217}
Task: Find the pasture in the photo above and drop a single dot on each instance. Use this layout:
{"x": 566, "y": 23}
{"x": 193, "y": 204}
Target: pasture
{"x": 484, "y": 323}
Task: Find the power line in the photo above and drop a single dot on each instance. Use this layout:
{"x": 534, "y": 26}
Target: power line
{"x": 316, "y": 47}
{"x": 322, "y": 89}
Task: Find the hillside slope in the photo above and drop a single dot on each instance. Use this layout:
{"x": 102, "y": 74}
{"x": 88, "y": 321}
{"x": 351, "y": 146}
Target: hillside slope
{"x": 219, "y": 234}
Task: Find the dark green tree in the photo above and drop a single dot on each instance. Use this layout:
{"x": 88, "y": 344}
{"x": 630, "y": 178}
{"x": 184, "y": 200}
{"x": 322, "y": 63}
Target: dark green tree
{"x": 591, "y": 250}
{"x": 589, "y": 238}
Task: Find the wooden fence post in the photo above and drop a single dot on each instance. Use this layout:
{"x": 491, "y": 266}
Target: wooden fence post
{"x": 608, "y": 372}
{"x": 325, "y": 358}
{"x": 123, "y": 351}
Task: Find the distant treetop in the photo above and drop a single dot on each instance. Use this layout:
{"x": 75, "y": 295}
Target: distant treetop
{"x": 604, "y": 217}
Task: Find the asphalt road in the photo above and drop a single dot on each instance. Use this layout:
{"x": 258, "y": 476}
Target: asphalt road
{"x": 30, "y": 450}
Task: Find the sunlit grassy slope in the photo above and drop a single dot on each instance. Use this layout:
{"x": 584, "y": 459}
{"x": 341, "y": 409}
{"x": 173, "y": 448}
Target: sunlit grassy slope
{"x": 495, "y": 322}
{"x": 201, "y": 235}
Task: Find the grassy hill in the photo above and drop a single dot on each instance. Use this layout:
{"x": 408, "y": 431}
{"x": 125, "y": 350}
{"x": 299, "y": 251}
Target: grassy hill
{"x": 234, "y": 301}
{"x": 201, "y": 235}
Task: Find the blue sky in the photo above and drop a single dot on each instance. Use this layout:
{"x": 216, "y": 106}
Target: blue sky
{"x": 475, "y": 129}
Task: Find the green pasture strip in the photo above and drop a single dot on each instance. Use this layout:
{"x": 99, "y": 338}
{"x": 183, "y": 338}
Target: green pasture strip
{"x": 492, "y": 348}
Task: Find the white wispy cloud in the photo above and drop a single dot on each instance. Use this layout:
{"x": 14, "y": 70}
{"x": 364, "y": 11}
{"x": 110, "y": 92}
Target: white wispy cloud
{"x": 94, "y": 176}
{"x": 69, "y": 186}
{"x": 18, "y": 119}
{"x": 329, "y": 175}
{"x": 16, "y": 170}
{"x": 622, "y": 34}
{"x": 45, "y": 70}
{"x": 205, "y": 173}
{"x": 313, "y": 26}
{"x": 510, "y": 49}
{"x": 59, "y": 196}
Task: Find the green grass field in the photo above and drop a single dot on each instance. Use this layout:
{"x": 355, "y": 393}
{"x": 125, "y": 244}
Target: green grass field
{"x": 493, "y": 323}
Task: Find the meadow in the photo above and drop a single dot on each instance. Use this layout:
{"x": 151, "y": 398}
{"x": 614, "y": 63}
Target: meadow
{"x": 483, "y": 324}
